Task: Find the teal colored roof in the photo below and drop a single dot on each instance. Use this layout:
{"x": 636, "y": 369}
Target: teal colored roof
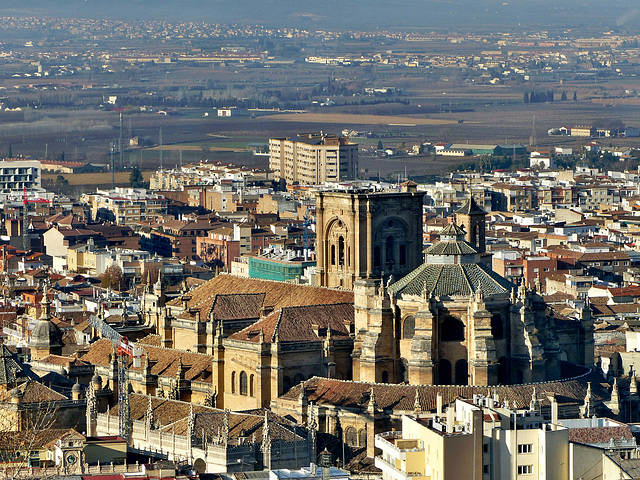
{"x": 452, "y": 280}
{"x": 453, "y": 230}
{"x": 451, "y": 248}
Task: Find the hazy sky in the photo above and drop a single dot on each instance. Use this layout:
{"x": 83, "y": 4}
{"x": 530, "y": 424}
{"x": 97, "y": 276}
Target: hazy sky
{"x": 456, "y": 15}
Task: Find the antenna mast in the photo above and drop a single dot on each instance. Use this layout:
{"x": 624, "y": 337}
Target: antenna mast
{"x": 26, "y": 240}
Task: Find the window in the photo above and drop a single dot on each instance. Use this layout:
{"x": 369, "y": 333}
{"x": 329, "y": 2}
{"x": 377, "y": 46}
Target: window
{"x": 243, "y": 383}
{"x": 485, "y": 448}
{"x": 452, "y": 329}
{"x": 408, "y": 327}
{"x": 525, "y": 469}
{"x": 485, "y": 469}
{"x": 525, "y": 448}
{"x": 251, "y": 387}
{"x": 233, "y": 382}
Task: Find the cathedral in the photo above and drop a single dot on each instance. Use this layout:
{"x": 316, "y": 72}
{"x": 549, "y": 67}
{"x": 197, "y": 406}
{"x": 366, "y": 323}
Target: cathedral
{"x": 447, "y": 319}
{"x": 386, "y": 312}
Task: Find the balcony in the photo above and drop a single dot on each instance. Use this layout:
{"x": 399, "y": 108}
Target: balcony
{"x": 390, "y": 471}
{"x": 397, "y": 447}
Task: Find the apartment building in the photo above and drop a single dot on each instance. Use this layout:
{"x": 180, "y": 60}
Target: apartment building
{"x": 477, "y": 438}
{"x": 313, "y": 158}
{"x": 20, "y": 174}
{"x": 125, "y": 206}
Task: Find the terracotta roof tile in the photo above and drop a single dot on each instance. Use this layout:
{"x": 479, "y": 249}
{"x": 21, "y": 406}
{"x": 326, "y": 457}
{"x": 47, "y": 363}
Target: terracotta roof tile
{"x": 341, "y": 393}
{"x": 600, "y": 434}
{"x": 163, "y": 361}
{"x": 303, "y": 323}
{"x": 277, "y": 294}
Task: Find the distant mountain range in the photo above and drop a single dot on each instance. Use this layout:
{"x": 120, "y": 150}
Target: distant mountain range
{"x": 455, "y": 15}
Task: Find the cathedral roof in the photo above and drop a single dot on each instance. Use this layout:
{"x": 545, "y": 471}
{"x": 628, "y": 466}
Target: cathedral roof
{"x": 452, "y": 229}
{"x": 277, "y": 294}
{"x": 173, "y": 415}
{"x": 452, "y": 280}
{"x": 470, "y": 207}
{"x": 162, "y": 361}
{"x": 351, "y": 394}
{"x": 299, "y": 324}
{"x": 451, "y": 248}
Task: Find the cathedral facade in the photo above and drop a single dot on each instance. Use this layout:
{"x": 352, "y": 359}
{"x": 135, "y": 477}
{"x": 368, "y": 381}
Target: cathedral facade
{"x": 449, "y": 319}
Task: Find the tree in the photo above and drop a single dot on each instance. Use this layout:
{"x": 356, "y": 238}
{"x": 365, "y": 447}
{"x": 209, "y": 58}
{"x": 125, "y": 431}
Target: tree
{"x": 526, "y": 97}
{"x": 24, "y": 428}
{"x": 563, "y": 97}
{"x": 113, "y": 278}
{"x": 136, "y": 180}
{"x": 380, "y": 145}
{"x": 575, "y": 96}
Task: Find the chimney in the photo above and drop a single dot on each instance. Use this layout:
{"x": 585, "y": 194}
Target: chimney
{"x": 554, "y": 408}
{"x": 450, "y": 418}
{"x": 438, "y": 404}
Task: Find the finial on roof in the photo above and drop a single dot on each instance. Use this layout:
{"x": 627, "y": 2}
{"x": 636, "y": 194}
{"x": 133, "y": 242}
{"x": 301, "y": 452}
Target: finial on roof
{"x": 417, "y": 405}
{"x": 371, "y": 408}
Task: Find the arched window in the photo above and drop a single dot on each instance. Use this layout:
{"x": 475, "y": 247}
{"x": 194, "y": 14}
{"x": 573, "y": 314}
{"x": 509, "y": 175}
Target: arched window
{"x": 409, "y": 327}
{"x": 243, "y": 383}
{"x": 351, "y": 436}
{"x": 476, "y": 235}
{"x": 376, "y": 257}
{"x": 452, "y": 330}
{"x": 286, "y": 384}
{"x": 298, "y": 379}
{"x": 403, "y": 255}
{"x": 389, "y": 253}
{"x": 233, "y": 382}
{"x": 385, "y": 377}
{"x": 362, "y": 438}
{"x": 251, "y": 385}
{"x": 333, "y": 254}
{"x": 444, "y": 372}
{"x": 341, "y": 251}
{"x": 462, "y": 372}
{"x": 497, "y": 329}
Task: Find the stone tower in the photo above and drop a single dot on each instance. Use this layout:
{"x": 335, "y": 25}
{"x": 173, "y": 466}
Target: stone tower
{"x": 363, "y": 234}
{"x": 472, "y": 218}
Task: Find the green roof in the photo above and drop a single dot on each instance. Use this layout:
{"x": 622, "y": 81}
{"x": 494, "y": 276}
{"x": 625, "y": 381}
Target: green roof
{"x": 453, "y": 230}
{"x": 452, "y": 280}
{"x": 451, "y": 248}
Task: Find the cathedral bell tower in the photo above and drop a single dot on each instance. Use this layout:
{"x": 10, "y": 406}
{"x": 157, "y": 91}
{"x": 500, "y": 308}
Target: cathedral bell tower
{"x": 364, "y": 234}
{"x": 472, "y": 218}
